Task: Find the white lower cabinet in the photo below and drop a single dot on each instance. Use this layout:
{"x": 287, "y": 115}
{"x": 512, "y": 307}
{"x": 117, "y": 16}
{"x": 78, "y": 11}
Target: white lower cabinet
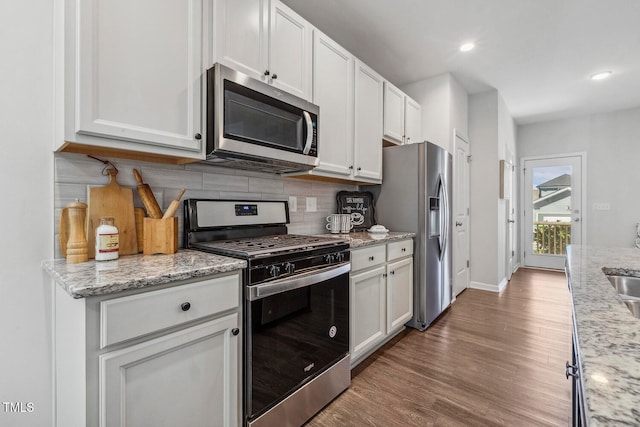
{"x": 182, "y": 378}
{"x": 381, "y": 284}
{"x": 185, "y": 371}
{"x": 368, "y": 324}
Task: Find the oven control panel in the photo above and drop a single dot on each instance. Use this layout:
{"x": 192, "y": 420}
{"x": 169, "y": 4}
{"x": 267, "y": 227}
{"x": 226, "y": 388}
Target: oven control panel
{"x": 292, "y": 265}
{"x": 246, "y": 210}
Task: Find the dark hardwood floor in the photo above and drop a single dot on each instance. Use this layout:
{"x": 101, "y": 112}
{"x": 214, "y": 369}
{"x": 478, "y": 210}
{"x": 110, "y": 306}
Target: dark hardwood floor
{"x": 490, "y": 360}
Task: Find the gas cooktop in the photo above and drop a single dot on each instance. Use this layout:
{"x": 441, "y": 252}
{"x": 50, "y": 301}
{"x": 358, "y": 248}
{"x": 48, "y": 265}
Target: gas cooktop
{"x": 267, "y": 245}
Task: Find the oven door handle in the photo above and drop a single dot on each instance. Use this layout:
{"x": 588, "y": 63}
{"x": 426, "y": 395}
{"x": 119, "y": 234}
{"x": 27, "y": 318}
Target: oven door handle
{"x": 299, "y": 281}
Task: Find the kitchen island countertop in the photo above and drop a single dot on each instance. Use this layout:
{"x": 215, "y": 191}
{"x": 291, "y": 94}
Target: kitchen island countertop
{"x": 608, "y": 334}
{"x": 359, "y": 239}
{"x": 136, "y": 271}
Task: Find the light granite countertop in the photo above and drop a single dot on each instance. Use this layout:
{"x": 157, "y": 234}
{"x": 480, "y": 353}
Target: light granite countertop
{"x": 608, "y": 334}
{"x": 359, "y": 239}
{"x": 136, "y": 271}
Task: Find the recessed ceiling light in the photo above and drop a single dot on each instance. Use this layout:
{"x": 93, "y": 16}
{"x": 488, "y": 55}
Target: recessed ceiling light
{"x": 602, "y": 75}
{"x": 467, "y": 47}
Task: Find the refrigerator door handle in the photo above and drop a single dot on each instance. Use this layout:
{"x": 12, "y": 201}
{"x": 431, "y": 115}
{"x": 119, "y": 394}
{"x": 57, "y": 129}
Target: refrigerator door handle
{"x": 444, "y": 212}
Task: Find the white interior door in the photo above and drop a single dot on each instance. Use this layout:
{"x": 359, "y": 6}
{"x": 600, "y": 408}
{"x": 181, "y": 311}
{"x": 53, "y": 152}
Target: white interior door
{"x": 553, "y": 209}
{"x": 461, "y": 214}
{"x": 509, "y": 171}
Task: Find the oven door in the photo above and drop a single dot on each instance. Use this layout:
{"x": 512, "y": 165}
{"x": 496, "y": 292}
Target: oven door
{"x": 297, "y": 328}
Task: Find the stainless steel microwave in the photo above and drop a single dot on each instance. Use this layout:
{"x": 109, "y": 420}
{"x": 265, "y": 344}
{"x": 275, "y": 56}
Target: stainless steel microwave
{"x": 254, "y": 125}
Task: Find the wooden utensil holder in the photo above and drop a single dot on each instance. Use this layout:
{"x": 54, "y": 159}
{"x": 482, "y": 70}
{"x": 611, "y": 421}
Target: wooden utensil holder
{"x": 160, "y": 235}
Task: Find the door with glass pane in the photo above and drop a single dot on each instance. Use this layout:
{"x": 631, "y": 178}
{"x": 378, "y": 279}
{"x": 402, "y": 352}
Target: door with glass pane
{"x": 552, "y": 209}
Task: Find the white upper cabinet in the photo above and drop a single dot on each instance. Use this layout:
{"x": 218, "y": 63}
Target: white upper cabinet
{"x": 393, "y": 113}
{"x": 242, "y": 35}
{"x": 412, "y": 129}
{"x": 350, "y": 96}
{"x": 290, "y": 50}
{"x": 333, "y": 93}
{"x": 401, "y": 116}
{"x": 138, "y": 76}
{"x": 266, "y": 40}
{"x": 368, "y": 123}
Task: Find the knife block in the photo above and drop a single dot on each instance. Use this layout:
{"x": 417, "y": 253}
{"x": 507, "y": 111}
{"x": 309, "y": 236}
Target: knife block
{"x": 160, "y": 235}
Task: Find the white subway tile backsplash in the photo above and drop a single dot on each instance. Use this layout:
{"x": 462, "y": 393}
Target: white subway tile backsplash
{"x": 220, "y": 182}
{"x": 266, "y": 185}
{"x": 297, "y": 187}
{"x": 67, "y": 193}
{"x": 171, "y": 178}
{"x": 272, "y": 196}
{"x": 230, "y": 195}
{"x": 79, "y": 169}
{"x": 74, "y": 173}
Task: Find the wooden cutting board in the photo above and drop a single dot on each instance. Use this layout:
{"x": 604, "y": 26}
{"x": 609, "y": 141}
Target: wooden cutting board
{"x": 116, "y": 201}
{"x": 63, "y": 231}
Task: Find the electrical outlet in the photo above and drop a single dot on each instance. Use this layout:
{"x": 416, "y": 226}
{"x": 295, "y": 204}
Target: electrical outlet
{"x": 312, "y": 204}
{"x": 601, "y": 206}
{"x": 293, "y": 204}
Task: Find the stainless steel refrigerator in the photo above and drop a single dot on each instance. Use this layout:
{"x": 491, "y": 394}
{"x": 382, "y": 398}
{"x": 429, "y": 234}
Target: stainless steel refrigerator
{"x": 415, "y": 196}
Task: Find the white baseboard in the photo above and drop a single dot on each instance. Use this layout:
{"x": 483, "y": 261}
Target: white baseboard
{"x": 490, "y": 287}
{"x": 516, "y": 267}
{"x": 483, "y": 286}
{"x": 503, "y": 284}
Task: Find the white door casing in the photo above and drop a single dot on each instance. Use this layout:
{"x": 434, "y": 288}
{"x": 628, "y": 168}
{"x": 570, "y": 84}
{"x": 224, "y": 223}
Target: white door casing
{"x": 461, "y": 213}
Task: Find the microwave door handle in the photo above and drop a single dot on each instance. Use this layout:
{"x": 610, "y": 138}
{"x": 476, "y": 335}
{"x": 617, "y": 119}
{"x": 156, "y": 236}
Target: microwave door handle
{"x": 307, "y": 145}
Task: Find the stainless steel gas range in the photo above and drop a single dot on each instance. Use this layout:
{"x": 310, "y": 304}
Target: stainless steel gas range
{"x": 296, "y": 306}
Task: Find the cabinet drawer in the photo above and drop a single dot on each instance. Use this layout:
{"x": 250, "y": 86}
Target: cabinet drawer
{"x": 136, "y": 315}
{"x": 367, "y": 257}
{"x": 399, "y": 249}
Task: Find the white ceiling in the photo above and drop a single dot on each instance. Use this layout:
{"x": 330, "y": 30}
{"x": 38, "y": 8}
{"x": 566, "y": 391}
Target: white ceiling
{"x": 539, "y": 54}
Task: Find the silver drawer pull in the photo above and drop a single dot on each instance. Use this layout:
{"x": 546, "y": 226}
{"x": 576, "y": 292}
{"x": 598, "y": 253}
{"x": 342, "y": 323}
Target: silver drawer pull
{"x": 371, "y": 258}
{"x": 185, "y": 306}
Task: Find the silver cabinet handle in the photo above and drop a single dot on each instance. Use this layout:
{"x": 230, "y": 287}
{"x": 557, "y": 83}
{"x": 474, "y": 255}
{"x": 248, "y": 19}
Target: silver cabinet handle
{"x": 458, "y": 224}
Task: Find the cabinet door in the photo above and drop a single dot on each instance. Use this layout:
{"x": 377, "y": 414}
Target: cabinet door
{"x": 290, "y": 51}
{"x": 188, "y": 377}
{"x": 412, "y": 128}
{"x": 241, "y": 35}
{"x": 367, "y": 311}
{"x": 368, "y": 122}
{"x": 139, "y": 71}
{"x": 393, "y": 113}
{"x": 399, "y": 293}
{"x": 333, "y": 93}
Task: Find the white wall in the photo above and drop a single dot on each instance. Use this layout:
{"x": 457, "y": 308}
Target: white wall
{"x": 492, "y": 135}
{"x": 484, "y": 188}
{"x": 26, "y": 125}
{"x": 445, "y": 106}
{"x": 612, "y": 144}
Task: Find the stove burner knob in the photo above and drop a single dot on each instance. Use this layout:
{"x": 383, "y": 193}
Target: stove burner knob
{"x": 340, "y": 257}
{"x": 289, "y": 268}
{"x": 274, "y": 271}
{"x": 328, "y": 259}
